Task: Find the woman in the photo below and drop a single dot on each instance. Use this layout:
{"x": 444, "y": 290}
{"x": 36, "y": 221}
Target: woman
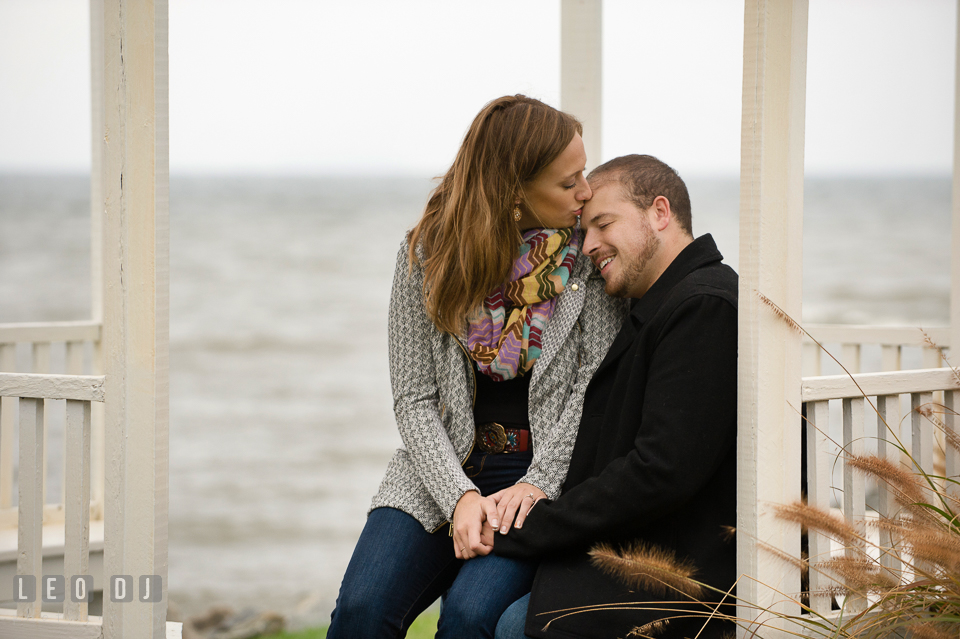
{"x": 497, "y": 322}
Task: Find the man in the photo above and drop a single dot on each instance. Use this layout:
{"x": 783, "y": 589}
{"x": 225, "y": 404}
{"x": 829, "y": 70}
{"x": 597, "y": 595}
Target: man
{"x": 655, "y": 458}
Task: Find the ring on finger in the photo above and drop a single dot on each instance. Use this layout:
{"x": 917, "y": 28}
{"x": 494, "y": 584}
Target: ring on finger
{"x": 530, "y": 495}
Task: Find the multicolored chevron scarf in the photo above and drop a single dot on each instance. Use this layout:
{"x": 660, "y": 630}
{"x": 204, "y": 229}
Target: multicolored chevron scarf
{"x": 504, "y": 335}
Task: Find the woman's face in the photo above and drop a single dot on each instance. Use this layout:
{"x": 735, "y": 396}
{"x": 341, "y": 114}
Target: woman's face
{"x": 555, "y": 198}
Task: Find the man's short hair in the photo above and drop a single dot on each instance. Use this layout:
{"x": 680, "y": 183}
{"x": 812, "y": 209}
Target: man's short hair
{"x": 644, "y": 178}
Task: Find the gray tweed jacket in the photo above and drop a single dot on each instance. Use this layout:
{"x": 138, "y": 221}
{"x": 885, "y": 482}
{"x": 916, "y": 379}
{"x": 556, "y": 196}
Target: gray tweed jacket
{"x": 433, "y": 392}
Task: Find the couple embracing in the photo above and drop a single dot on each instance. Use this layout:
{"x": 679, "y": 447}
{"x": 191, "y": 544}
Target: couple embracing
{"x": 556, "y": 386}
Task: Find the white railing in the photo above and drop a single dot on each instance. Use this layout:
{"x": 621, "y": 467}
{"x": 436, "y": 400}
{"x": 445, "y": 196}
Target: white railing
{"x": 30, "y": 348}
{"x": 871, "y": 420}
{"x": 31, "y": 392}
{"x": 897, "y": 346}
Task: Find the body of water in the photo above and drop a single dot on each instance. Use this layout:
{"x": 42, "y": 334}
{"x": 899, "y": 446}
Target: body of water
{"x": 281, "y": 417}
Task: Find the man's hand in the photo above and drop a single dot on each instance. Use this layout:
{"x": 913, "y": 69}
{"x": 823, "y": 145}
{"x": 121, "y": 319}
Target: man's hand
{"x": 468, "y": 517}
{"x": 486, "y": 534}
{"x": 514, "y": 501}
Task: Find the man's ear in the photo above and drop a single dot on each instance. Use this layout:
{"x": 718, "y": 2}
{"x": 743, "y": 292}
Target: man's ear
{"x": 661, "y": 213}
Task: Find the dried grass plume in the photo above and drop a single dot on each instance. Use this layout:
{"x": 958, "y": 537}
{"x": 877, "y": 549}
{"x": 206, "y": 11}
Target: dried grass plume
{"x": 816, "y": 519}
{"x": 653, "y": 569}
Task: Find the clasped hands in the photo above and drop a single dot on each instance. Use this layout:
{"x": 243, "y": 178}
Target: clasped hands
{"x": 476, "y": 518}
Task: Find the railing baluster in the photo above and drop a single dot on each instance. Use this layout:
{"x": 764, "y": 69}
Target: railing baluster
{"x": 951, "y": 422}
{"x": 854, "y": 504}
{"x": 74, "y": 366}
{"x": 76, "y": 557}
{"x": 931, "y": 357}
{"x": 921, "y": 449}
{"x": 921, "y": 432}
{"x": 888, "y": 424}
{"x": 890, "y": 357}
{"x": 812, "y": 360}
{"x": 74, "y": 358}
{"x": 97, "y": 449}
{"x": 8, "y": 422}
{"x": 818, "y": 495}
{"x": 41, "y": 364}
{"x": 30, "y": 507}
{"x": 850, "y": 356}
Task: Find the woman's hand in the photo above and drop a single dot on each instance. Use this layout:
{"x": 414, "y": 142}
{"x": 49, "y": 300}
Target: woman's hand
{"x": 514, "y": 501}
{"x": 468, "y": 518}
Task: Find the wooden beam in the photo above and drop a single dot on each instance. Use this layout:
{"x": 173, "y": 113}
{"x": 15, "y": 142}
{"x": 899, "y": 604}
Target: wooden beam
{"x": 815, "y": 389}
{"x": 135, "y": 335}
{"x": 862, "y": 334}
{"x": 51, "y": 625}
{"x": 581, "y": 70}
{"x": 771, "y": 230}
{"x": 47, "y": 628}
{"x": 50, "y": 332}
{"x": 81, "y": 387}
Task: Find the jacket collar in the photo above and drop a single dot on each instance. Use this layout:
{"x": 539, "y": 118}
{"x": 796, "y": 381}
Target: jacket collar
{"x": 697, "y": 254}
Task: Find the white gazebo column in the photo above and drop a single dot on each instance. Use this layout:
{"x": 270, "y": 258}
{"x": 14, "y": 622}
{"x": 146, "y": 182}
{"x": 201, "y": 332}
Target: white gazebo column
{"x": 771, "y": 225}
{"x": 96, "y": 238}
{"x": 581, "y": 69}
{"x": 952, "y": 464}
{"x": 955, "y": 239}
{"x": 135, "y": 336}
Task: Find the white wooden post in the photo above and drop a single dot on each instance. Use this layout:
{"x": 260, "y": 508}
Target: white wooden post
{"x": 955, "y": 235}
{"x": 76, "y": 500}
{"x": 40, "y": 356}
{"x": 30, "y": 504}
{"x": 952, "y": 456}
{"x": 8, "y": 422}
{"x": 135, "y": 332}
{"x": 854, "y": 484}
{"x": 771, "y": 225}
{"x": 890, "y": 356}
{"x": 96, "y": 238}
{"x": 888, "y": 433}
{"x": 581, "y": 68}
{"x": 921, "y": 433}
{"x": 850, "y": 357}
{"x": 819, "y": 465}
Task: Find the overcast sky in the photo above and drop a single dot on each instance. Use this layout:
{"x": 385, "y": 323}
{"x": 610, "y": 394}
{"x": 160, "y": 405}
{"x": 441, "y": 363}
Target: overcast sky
{"x": 312, "y": 86}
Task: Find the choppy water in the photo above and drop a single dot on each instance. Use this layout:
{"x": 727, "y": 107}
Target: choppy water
{"x": 280, "y": 409}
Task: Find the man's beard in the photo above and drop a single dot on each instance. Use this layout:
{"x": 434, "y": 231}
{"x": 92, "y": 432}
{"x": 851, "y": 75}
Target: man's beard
{"x": 633, "y": 270}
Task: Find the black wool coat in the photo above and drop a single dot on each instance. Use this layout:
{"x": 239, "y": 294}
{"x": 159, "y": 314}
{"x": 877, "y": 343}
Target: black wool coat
{"x": 654, "y": 461}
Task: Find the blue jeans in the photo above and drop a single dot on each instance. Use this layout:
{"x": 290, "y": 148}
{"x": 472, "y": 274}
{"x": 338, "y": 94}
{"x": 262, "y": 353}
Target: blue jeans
{"x": 512, "y": 621}
{"x": 398, "y": 569}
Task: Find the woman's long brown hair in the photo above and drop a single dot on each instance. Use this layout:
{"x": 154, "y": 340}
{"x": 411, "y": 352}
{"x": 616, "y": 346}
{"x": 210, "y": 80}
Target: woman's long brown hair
{"x": 468, "y": 236}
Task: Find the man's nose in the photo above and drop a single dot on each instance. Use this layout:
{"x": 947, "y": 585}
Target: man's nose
{"x": 590, "y": 244}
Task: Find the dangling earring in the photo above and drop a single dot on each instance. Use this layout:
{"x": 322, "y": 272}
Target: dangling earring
{"x": 516, "y": 213}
